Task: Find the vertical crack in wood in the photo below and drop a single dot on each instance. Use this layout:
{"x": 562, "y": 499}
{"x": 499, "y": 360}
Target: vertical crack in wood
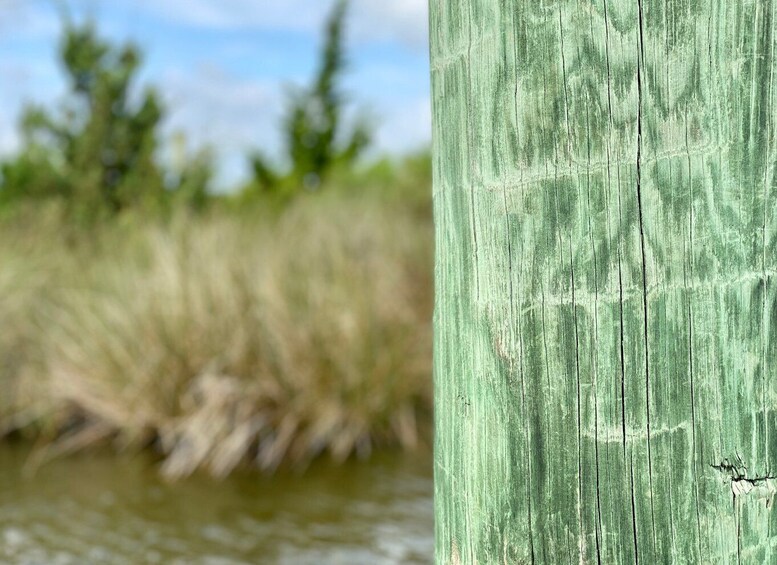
{"x": 640, "y": 66}
{"x": 581, "y": 535}
{"x": 765, "y": 335}
{"x": 769, "y": 24}
{"x": 581, "y": 539}
{"x": 521, "y": 353}
{"x": 633, "y": 512}
{"x": 598, "y": 531}
{"x": 471, "y": 154}
{"x": 688, "y": 266}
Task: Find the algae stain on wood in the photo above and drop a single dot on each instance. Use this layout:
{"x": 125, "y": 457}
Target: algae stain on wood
{"x": 605, "y": 196}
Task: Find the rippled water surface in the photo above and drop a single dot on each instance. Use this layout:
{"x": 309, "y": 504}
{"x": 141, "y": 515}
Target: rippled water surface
{"x": 104, "y": 509}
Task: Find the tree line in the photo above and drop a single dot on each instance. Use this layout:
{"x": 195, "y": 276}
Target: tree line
{"x": 97, "y": 154}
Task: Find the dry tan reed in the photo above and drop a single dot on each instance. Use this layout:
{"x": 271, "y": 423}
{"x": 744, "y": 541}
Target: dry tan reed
{"x": 220, "y": 341}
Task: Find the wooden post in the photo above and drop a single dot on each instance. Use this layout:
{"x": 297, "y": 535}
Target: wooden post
{"x": 606, "y": 316}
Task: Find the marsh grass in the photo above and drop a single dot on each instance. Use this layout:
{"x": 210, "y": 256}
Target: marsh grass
{"x": 219, "y": 341}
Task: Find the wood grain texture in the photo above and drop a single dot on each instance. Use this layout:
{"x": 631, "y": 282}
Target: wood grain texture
{"x": 606, "y": 309}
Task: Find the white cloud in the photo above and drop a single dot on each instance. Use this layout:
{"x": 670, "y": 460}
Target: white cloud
{"x": 404, "y": 21}
{"x": 211, "y": 104}
{"x": 27, "y": 19}
{"x": 404, "y": 127}
{"x": 234, "y": 116}
{"x": 240, "y": 14}
{"x": 22, "y": 81}
{"x": 235, "y": 113}
{"x": 231, "y": 115}
{"x": 9, "y": 139}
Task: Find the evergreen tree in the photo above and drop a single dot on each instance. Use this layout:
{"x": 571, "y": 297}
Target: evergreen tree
{"x": 97, "y": 153}
{"x": 315, "y": 135}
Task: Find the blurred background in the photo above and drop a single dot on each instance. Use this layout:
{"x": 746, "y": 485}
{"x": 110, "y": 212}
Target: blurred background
{"x": 215, "y": 282}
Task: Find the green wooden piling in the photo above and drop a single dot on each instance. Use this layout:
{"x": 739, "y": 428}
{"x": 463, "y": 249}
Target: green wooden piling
{"x": 605, "y": 347}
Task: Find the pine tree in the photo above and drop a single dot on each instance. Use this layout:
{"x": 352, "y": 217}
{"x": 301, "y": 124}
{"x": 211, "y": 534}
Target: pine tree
{"x": 98, "y": 153}
{"x": 314, "y": 131}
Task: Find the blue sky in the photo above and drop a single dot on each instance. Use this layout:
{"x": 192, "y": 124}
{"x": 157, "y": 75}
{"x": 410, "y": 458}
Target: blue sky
{"x": 222, "y": 66}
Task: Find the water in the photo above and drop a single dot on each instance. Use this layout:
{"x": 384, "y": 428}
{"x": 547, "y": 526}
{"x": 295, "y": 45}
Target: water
{"x": 103, "y": 509}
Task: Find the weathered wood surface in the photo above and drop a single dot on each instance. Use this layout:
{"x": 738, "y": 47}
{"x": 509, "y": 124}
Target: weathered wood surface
{"x": 606, "y": 355}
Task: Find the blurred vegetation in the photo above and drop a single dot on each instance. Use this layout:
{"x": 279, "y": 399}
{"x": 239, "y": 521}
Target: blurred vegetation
{"x": 97, "y": 153}
{"x": 314, "y": 133}
{"x": 268, "y": 325}
{"x": 218, "y": 341}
